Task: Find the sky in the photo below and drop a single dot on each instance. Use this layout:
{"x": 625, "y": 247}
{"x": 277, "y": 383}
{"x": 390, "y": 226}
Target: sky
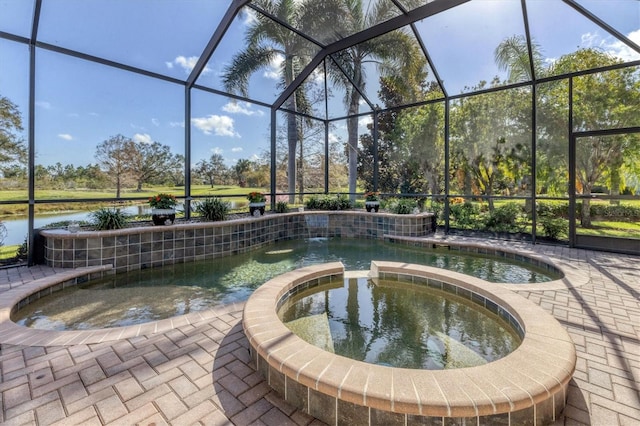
{"x": 80, "y": 103}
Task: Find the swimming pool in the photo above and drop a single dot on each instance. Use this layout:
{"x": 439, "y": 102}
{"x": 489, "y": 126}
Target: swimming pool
{"x": 151, "y": 294}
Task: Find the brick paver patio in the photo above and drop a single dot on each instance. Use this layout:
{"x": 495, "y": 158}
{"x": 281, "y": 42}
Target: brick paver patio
{"x": 200, "y": 373}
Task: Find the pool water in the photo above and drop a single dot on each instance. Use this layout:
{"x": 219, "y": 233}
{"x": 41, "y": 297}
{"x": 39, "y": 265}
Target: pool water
{"x": 398, "y": 324}
{"x": 152, "y": 294}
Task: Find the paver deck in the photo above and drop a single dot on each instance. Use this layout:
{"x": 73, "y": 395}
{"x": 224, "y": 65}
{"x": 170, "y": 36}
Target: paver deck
{"x": 201, "y": 373}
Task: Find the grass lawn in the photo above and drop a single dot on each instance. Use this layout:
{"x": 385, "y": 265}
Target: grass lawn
{"x": 612, "y": 229}
{"x": 230, "y": 192}
{"x": 8, "y": 252}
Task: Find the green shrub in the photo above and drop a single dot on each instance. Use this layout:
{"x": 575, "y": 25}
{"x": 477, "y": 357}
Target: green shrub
{"x": 213, "y": 209}
{"x": 614, "y": 210}
{"x": 553, "y": 227}
{"x": 343, "y": 202}
{"x": 329, "y": 202}
{"x": 312, "y": 203}
{"x": 464, "y": 214}
{"x": 504, "y": 218}
{"x": 596, "y": 209}
{"x": 22, "y": 251}
{"x": 282, "y": 207}
{"x": 64, "y": 224}
{"x": 107, "y": 218}
{"x": 402, "y": 206}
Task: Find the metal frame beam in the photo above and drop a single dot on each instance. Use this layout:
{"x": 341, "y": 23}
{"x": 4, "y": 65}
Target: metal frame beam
{"x": 226, "y": 21}
{"x": 392, "y": 24}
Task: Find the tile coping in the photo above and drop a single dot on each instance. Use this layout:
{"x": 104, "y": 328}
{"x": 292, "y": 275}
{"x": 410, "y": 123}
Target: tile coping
{"x": 573, "y": 275}
{"x": 535, "y": 373}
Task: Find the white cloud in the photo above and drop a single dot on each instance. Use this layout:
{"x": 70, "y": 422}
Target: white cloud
{"x": 176, "y": 124}
{"x": 238, "y": 107}
{"x": 155, "y": 122}
{"x": 94, "y": 114}
{"x": 217, "y": 150}
{"x": 142, "y": 138}
{"x": 612, "y": 45}
{"x": 317, "y": 76}
{"x": 187, "y": 64}
{"x": 623, "y": 51}
{"x": 248, "y": 16}
{"x": 590, "y": 39}
{"x": 363, "y": 121}
{"x": 236, "y": 149}
{"x": 273, "y": 72}
{"x": 43, "y": 104}
{"x": 219, "y": 125}
{"x": 333, "y": 138}
{"x": 65, "y": 136}
{"x": 73, "y": 115}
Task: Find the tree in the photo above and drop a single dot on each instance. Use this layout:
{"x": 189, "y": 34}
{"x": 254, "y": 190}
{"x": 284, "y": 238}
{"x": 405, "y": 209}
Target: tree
{"x": 12, "y": 148}
{"x": 512, "y": 54}
{"x": 240, "y": 169}
{"x": 148, "y": 162}
{"x": 422, "y": 147}
{"x": 267, "y": 41}
{"x": 397, "y": 51}
{"x": 212, "y": 169}
{"x": 490, "y": 142}
{"x": 175, "y": 170}
{"x": 113, "y": 156}
{"x": 606, "y": 100}
{"x": 390, "y": 164}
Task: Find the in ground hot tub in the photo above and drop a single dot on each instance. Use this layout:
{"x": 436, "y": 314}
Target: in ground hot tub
{"x": 527, "y": 386}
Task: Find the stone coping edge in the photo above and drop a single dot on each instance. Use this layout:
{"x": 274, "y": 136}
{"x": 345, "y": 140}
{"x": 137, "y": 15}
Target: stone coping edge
{"x": 573, "y": 275}
{"x": 536, "y": 371}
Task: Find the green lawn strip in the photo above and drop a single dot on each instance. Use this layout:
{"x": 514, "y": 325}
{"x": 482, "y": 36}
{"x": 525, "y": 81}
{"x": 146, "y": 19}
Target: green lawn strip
{"x": 612, "y": 229}
{"x": 8, "y": 252}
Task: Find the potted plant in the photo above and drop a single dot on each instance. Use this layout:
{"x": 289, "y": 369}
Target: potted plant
{"x": 372, "y": 201}
{"x": 257, "y": 202}
{"x": 163, "y": 208}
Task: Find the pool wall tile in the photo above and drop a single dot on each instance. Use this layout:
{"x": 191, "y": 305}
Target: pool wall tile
{"x": 413, "y": 420}
{"x": 208, "y": 240}
{"x": 322, "y": 406}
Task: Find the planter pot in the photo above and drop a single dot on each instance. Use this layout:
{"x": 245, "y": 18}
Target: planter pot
{"x": 372, "y": 205}
{"x": 256, "y": 209}
{"x": 163, "y": 216}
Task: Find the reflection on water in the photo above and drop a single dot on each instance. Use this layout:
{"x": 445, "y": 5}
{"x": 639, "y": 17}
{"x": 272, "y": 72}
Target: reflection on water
{"x": 152, "y": 294}
{"x": 398, "y": 324}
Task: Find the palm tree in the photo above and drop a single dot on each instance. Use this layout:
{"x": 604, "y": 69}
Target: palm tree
{"x": 267, "y": 41}
{"x": 512, "y": 55}
{"x": 391, "y": 52}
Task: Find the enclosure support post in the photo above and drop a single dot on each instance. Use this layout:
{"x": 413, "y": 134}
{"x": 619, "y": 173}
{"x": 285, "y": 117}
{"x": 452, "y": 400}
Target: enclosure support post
{"x": 572, "y": 171}
{"x": 446, "y": 165}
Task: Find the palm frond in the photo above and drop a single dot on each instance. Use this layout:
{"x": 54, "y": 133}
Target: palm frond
{"x": 236, "y": 75}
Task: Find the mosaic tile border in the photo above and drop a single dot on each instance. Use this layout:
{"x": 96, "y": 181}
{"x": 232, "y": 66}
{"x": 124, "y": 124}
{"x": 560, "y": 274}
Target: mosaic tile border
{"x": 151, "y": 246}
